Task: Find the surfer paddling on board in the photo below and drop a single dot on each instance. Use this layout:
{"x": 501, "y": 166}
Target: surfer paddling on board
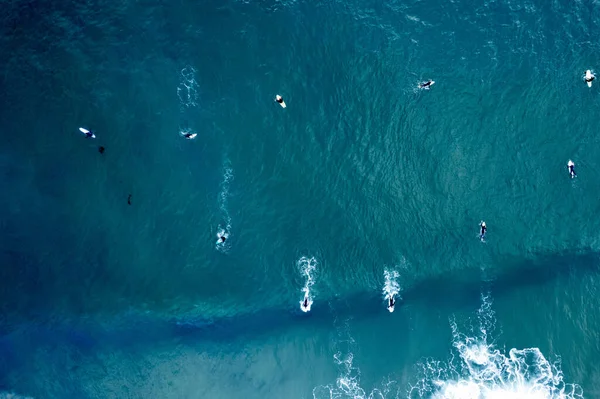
{"x": 88, "y": 133}
{"x": 482, "y": 231}
{"x": 426, "y": 85}
{"x": 571, "y": 166}
{"x": 189, "y": 135}
{"x": 305, "y": 303}
{"x": 221, "y": 237}
{"x": 589, "y": 76}
{"x": 279, "y": 99}
{"x": 391, "y": 303}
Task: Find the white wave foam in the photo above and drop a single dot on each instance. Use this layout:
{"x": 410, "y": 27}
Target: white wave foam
{"x": 307, "y": 267}
{"x": 477, "y": 370}
{"x": 187, "y": 91}
{"x": 347, "y": 385}
{"x": 391, "y": 287}
{"x": 224, "y": 230}
{"x": 481, "y": 371}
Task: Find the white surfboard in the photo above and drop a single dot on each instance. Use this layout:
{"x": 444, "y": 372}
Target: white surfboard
{"x": 282, "y": 103}
{"x": 589, "y": 77}
{"x": 390, "y": 308}
{"x": 85, "y": 131}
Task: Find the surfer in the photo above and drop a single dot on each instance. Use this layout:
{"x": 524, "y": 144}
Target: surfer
{"x": 279, "y": 99}
{"x": 589, "y": 76}
{"x": 391, "y": 303}
{"x": 189, "y": 135}
{"x": 305, "y": 303}
{"x": 129, "y": 199}
{"x": 571, "y": 167}
{"x": 88, "y": 133}
{"x": 221, "y": 237}
{"x": 426, "y": 85}
{"x": 483, "y": 230}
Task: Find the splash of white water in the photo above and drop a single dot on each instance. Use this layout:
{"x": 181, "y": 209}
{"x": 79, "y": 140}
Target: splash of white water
{"x": 307, "y": 267}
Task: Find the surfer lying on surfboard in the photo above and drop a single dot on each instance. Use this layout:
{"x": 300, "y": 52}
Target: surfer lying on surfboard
{"x": 305, "y": 303}
{"x": 571, "y": 166}
{"x": 88, "y": 133}
{"x": 221, "y": 237}
{"x": 589, "y": 76}
{"x": 426, "y": 85}
{"x": 279, "y": 99}
{"x": 483, "y": 230}
{"x": 391, "y": 303}
{"x": 189, "y": 135}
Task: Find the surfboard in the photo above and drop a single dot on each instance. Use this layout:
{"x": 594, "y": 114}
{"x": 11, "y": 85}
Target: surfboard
{"x": 282, "y": 103}
{"x": 85, "y": 131}
{"x": 589, "y": 75}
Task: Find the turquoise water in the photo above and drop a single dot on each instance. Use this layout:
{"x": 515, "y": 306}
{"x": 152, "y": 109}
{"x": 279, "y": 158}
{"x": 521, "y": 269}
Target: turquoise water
{"x": 361, "y": 174}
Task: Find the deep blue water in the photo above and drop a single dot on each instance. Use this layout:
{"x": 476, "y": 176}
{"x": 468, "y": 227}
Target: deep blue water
{"x": 361, "y": 174}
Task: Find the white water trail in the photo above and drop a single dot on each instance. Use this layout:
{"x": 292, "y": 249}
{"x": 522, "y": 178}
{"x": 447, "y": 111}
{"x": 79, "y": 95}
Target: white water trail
{"x": 482, "y": 371}
{"x": 391, "y": 287}
{"x": 307, "y": 267}
{"x": 187, "y": 91}
{"x": 347, "y": 385}
{"x": 224, "y": 228}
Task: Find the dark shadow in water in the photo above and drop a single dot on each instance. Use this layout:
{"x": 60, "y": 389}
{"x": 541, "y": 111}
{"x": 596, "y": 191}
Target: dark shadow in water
{"x": 447, "y": 293}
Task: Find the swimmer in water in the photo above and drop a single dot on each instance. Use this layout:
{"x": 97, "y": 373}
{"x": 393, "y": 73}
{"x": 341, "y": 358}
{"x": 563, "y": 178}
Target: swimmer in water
{"x": 571, "y": 167}
{"x": 101, "y": 150}
{"x": 426, "y": 85}
{"x": 483, "y": 230}
{"x": 279, "y": 99}
{"x": 589, "y": 77}
{"x": 129, "y": 199}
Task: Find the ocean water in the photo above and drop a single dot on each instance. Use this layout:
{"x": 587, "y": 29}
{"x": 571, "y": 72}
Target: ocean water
{"x": 363, "y": 186}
